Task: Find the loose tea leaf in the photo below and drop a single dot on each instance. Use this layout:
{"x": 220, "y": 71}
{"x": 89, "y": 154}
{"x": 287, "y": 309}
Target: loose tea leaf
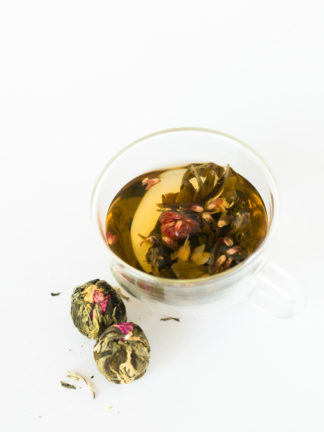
{"x": 170, "y": 318}
{"x": 55, "y": 294}
{"x": 194, "y": 221}
{"x": 95, "y": 306}
{"x": 67, "y": 385}
{"x": 78, "y": 377}
{"x": 122, "y": 353}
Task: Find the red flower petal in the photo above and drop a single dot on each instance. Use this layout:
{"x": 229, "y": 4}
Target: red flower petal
{"x": 169, "y": 216}
{"x": 103, "y": 305}
{"x": 177, "y": 226}
{"x": 98, "y": 296}
{"x": 101, "y": 300}
{"x": 125, "y": 327}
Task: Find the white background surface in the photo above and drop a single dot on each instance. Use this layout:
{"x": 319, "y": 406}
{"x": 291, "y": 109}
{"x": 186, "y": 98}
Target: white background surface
{"x": 81, "y": 79}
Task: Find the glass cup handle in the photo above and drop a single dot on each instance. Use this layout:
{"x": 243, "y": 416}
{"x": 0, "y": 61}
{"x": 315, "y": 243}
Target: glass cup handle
{"x": 277, "y": 292}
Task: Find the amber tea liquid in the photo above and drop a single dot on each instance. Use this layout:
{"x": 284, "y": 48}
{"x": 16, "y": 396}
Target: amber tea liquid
{"x": 186, "y": 222}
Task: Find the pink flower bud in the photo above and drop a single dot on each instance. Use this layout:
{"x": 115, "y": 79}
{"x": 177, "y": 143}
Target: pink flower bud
{"x": 125, "y": 327}
{"x": 177, "y": 226}
{"x": 101, "y": 300}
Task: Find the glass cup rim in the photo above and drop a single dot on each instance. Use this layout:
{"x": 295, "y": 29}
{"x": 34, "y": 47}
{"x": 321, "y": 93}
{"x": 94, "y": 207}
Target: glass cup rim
{"x": 217, "y": 277}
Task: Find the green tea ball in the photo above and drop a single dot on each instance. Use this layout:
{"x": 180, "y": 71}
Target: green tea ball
{"x": 122, "y": 353}
{"x": 95, "y": 306}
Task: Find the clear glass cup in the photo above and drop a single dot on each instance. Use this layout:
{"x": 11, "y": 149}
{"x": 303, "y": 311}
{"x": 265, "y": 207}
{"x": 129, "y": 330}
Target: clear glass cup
{"x": 256, "y": 278}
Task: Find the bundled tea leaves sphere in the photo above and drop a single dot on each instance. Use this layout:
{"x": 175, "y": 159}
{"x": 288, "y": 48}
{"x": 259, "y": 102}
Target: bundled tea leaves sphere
{"x": 122, "y": 353}
{"x": 95, "y": 306}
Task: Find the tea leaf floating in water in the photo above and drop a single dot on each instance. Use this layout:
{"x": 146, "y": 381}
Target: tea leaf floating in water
{"x": 187, "y": 222}
{"x": 95, "y": 306}
{"x": 122, "y": 353}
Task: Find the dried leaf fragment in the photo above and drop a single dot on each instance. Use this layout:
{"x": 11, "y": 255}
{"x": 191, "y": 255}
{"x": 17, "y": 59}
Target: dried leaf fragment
{"x": 67, "y": 385}
{"x": 170, "y": 318}
{"x": 78, "y": 377}
{"x": 54, "y": 294}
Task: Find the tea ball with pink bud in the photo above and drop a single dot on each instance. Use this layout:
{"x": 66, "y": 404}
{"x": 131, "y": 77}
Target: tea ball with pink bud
{"x": 122, "y": 353}
{"x": 95, "y": 306}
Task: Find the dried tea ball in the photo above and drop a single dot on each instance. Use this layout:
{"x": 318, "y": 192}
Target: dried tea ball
{"x": 95, "y": 306}
{"x": 122, "y": 353}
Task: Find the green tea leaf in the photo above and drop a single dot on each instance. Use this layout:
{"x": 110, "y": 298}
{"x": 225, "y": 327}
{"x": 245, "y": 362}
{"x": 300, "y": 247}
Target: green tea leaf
{"x": 188, "y": 270}
{"x": 209, "y": 183}
{"x": 187, "y": 193}
{"x": 170, "y": 198}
